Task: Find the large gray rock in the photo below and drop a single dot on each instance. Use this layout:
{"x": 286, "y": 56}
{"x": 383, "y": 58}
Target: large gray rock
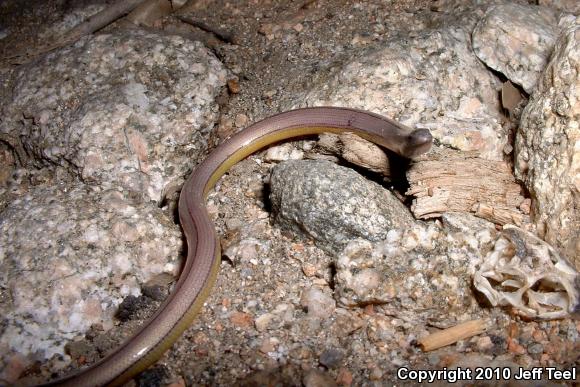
{"x": 333, "y": 204}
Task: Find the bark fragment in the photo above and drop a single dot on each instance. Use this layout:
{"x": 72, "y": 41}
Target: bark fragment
{"x": 446, "y": 180}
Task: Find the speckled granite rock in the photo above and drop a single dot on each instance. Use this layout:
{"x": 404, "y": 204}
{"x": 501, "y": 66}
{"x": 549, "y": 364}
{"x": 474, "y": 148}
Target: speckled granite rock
{"x": 548, "y": 148}
{"x": 122, "y": 111}
{"x": 572, "y": 6}
{"x": 430, "y": 80}
{"x": 99, "y": 247}
{"x": 517, "y": 41}
{"x": 422, "y": 271}
{"x": 333, "y": 204}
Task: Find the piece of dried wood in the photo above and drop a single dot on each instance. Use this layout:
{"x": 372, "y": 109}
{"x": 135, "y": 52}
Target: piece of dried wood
{"x": 149, "y": 12}
{"x": 355, "y": 150}
{"x": 446, "y": 180}
{"x": 452, "y": 335}
{"x": 100, "y": 20}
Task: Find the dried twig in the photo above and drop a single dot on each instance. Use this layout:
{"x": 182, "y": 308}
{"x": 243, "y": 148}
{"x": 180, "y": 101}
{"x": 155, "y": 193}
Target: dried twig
{"x": 452, "y": 335}
{"x": 149, "y": 12}
{"x": 92, "y": 24}
{"x": 101, "y": 19}
{"x": 355, "y": 150}
{"x": 224, "y": 36}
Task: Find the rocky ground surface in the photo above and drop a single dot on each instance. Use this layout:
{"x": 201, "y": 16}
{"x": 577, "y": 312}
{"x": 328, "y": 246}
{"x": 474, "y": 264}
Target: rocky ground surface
{"x": 288, "y": 308}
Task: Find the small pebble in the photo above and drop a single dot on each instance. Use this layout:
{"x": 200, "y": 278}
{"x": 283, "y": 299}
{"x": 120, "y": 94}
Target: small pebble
{"x": 301, "y": 353}
{"x": 180, "y": 382}
{"x": 283, "y": 152}
{"x": 376, "y": 373}
{"x": 153, "y": 376}
{"x": 316, "y": 378}
{"x": 76, "y": 349}
{"x": 233, "y": 86}
{"x": 535, "y": 349}
{"x": 269, "y": 93}
{"x": 309, "y": 269}
{"x": 298, "y": 27}
{"x": 317, "y": 303}
{"x": 269, "y": 345}
{"x": 331, "y": 358}
{"x": 484, "y": 343}
{"x": 241, "y": 319}
{"x": 130, "y": 306}
{"x": 157, "y": 288}
{"x": 344, "y": 377}
{"x": 515, "y": 347}
{"x": 241, "y": 120}
{"x": 263, "y": 321}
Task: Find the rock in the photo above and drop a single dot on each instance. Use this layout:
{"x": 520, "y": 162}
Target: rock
{"x": 130, "y": 307}
{"x": 514, "y": 347}
{"x": 572, "y": 6}
{"x": 78, "y": 349}
{"x": 344, "y": 377}
{"x": 241, "y": 319}
{"x": 281, "y": 376}
{"x": 263, "y": 321}
{"x": 547, "y": 150}
{"x": 269, "y": 345}
{"x": 129, "y": 114}
{"x": 517, "y": 40}
{"x": 376, "y": 373}
{"x": 535, "y": 349}
{"x": 283, "y": 152}
{"x": 14, "y": 367}
{"x": 317, "y": 303}
{"x": 484, "y": 344}
{"x": 309, "y": 269}
{"x": 153, "y": 376}
{"x": 241, "y": 120}
{"x": 158, "y": 287}
{"x": 92, "y": 268}
{"x": 428, "y": 80}
{"x": 421, "y": 271}
{"x": 333, "y": 204}
{"x": 301, "y": 352}
{"x": 331, "y": 358}
{"x": 316, "y": 378}
{"x": 345, "y": 323}
{"x": 476, "y": 230}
